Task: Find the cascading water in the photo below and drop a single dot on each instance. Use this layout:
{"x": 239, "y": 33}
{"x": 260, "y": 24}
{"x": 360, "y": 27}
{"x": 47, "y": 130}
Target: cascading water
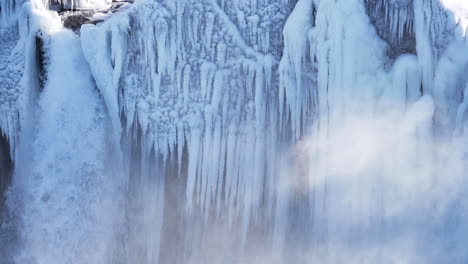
{"x": 233, "y": 131}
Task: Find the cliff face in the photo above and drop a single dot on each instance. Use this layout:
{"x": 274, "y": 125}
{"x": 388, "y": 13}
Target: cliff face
{"x": 233, "y": 131}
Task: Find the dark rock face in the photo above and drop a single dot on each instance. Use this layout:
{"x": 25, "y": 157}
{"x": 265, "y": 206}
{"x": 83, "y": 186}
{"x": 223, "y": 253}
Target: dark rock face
{"x": 74, "y": 22}
{"x": 8, "y": 238}
{"x": 41, "y": 60}
{"x": 6, "y": 170}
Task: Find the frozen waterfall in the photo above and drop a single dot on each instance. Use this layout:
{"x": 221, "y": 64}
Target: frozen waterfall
{"x": 233, "y": 131}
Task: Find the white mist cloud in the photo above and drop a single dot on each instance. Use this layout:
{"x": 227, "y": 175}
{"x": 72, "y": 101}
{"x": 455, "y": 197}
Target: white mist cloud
{"x": 382, "y": 187}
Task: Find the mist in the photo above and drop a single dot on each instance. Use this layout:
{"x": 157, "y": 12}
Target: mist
{"x": 383, "y": 188}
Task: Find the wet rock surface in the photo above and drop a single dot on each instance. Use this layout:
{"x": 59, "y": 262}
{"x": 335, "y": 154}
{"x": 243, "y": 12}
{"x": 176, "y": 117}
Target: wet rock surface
{"x": 6, "y": 169}
{"x": 74, "y": 22}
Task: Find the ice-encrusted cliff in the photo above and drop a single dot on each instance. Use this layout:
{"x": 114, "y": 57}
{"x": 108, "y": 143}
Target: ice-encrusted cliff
{"x": 233, "y": 131}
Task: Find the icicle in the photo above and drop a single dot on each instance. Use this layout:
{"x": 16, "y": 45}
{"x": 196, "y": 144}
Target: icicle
{"x": 209, "y": 25}
{"x": 162, "y": 38}
{"x": 186, "y": 83}
{"x": 194, "y": 150}
{"x": 118, "y": 49}
{"x": 291, "y": 66}
{"x": 180, "y": 144}
{"x": 207, "y": 70}
{"x": 94, "y": 42}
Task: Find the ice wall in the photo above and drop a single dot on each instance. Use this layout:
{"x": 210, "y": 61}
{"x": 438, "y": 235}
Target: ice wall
{"x": 232, "y": 131}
